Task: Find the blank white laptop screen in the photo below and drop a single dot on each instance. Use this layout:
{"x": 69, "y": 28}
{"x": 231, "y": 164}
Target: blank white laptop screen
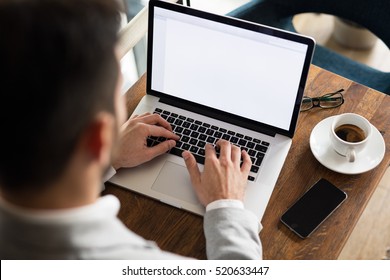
{"x": 211, "y": 63}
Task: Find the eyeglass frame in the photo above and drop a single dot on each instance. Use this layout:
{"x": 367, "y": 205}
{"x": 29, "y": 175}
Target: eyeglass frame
{"x": 316, "y": 101}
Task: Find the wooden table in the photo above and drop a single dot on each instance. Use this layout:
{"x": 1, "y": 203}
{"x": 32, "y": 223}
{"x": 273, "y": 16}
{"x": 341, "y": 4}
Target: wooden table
{"x": 178, "y": 231}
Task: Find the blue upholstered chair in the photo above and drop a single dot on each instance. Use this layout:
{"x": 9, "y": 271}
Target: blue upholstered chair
{"x": 373, "y": 14}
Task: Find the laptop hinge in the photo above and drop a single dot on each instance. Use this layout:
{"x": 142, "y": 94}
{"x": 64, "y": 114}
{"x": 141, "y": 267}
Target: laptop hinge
{"x": 219, "y": 115}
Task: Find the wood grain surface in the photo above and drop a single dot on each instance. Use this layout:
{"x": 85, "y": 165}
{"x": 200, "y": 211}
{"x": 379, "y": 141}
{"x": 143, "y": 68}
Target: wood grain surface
{"x": 180, "y": 232}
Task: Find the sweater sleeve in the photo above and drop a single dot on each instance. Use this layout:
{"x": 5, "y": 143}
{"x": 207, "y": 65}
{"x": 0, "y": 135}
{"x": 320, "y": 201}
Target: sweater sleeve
{"x": 232, "y": 233}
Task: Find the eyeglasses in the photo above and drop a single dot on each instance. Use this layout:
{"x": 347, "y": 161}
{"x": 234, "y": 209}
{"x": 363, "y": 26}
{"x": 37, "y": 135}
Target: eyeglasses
{"x": 329, "y": 100}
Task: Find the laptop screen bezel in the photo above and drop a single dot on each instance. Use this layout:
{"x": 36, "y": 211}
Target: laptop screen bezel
{"x": 212, "y": 112}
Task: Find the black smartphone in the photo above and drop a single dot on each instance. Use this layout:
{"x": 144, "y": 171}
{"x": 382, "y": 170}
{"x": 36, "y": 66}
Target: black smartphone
{"x": 313, "y": 207}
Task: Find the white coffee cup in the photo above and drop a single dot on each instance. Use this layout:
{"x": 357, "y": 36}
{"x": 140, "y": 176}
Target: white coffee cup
{"x": 349, "y": 134}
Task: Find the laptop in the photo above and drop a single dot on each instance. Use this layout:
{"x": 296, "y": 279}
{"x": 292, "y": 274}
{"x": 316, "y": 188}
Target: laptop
{"x": 215, "y": 77}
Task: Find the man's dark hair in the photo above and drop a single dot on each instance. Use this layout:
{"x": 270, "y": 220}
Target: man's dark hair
{"x": 57, "y": 71}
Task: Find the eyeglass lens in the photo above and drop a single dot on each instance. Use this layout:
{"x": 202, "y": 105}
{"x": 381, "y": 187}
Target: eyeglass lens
{"x": 330, "y": 100}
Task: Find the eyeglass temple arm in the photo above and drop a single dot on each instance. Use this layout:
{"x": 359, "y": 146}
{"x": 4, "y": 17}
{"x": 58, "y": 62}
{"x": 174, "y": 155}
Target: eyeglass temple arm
{"x": 322, "y": 98}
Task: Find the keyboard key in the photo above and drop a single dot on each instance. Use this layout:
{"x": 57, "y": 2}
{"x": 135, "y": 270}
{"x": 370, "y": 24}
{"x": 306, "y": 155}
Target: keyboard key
{"x": 239, "y": 135}
{"x": 186, "y": 146}
{"x": 201, "y": 152}
{"x": 182, "y": 117}
{"x": 259, "y": 161}
{"x": 214, "y": 127}
{"x": 202, "y": 129}
{"x": 257, "y": 141}
{"x": 210, "y": 132}
{"x": 164, "y": 116}
{"x": 185, "y": 139}
{"x": 217, "y": 134}
{"x": 250, "y": 145}
{"x": 190, "y": 120}
{"x": 248, "y": 138}
{"x": 193, "y": 141}
{"x": 261, "y": 148}
{"x": 210, "y": 140}
{"x": 176, "y": 151}
{"x": 186, "y": 124}
{"x": 194, "y": 149}
{"x": 201, "y": 144}
{"x": 178, "y": 122}
{"x": 252, "y": 153}
{"x": 234, "y": 140}
{"x": 158, "y": 110}
{"x": 195, "y": 134}
{"x": 199, "y": 159}
{"x": 242, "y": 142}
{"x": 231, "y": 132}
{"x": 174, "y": 115}
{"x": 223, "y": 130}
{"x": 265, "y": 143}
{"x": 171, "y": 120}
{"x": 194, "y": 127}
{"x": 166, "y": 112}
{"x": 254, "y": 169}
{"x": 203, "y": 137}
{"x": 206, "y": 125}
{"x": 251, "y": 178}
{"x": 198, "y": 122}
{"x": 179, "y": 129}
{"x": 260, "y": 155}
{"x": 226, "y": 137}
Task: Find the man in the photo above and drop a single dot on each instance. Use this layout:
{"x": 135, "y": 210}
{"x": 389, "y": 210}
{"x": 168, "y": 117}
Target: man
{"x": 60, "y": 115}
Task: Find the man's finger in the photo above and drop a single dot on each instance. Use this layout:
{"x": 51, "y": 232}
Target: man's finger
{"x": 159, "y": 131}
{"x": 246, "y": 162}
{"x": 161, "y": 148}
{"x": 210, "y": 151}
{"x": 236, "y": 154}
{"x": 144, "y": 114}
{"x": 192, "y": 167}
{"x": 225, "y": 149}
{"x": 155, "y": 119}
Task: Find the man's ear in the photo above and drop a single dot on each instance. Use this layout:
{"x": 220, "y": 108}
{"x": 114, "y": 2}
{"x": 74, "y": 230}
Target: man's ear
{"x": 98, "y": 137}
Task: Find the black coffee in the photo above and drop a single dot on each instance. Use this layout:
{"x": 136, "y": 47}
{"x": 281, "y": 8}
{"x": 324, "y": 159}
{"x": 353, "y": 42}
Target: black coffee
{"x": 350, "y": 133}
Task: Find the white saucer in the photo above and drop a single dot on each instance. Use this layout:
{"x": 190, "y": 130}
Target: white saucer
{"x": 366, "y": 160}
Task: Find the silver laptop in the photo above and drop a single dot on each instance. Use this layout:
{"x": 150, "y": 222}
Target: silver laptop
{"x": 216, "y": 77}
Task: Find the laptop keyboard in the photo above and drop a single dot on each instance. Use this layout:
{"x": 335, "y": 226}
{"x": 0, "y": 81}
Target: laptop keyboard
{"x": 194, "y": 135}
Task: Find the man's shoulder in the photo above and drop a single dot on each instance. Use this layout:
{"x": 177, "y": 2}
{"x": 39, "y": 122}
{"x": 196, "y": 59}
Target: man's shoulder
{"x": 82, "y": 235}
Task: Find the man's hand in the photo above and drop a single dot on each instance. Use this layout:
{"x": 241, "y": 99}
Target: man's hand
{"x": 223, "y": 177}
{"x": 132, "y": 149}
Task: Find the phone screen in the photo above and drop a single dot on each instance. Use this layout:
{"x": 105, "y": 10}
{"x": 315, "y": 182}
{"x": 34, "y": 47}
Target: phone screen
{"x": 305, "y": 215}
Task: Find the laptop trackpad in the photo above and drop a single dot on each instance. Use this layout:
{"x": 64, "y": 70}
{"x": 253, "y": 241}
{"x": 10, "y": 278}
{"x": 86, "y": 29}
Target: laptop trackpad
{"x": 174, "y": 181}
